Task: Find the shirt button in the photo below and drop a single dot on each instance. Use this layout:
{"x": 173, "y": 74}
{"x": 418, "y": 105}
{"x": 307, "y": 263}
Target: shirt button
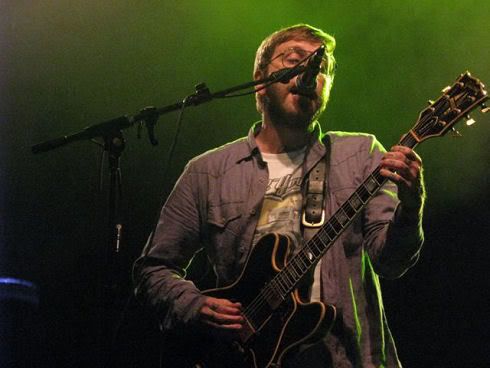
{"x": 253, "y": 212}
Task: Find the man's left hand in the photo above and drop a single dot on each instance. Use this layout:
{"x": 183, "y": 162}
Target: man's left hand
{"x": 403, "y": 166}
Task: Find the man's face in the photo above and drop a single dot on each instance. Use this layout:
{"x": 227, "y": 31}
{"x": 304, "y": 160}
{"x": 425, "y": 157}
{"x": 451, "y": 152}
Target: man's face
{"x": 282, "y": 106}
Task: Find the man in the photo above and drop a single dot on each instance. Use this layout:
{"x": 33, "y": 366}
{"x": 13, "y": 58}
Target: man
{"x": 229, "y": 197}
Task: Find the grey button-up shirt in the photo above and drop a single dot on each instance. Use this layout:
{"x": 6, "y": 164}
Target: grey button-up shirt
{"x": 216, "y": 204}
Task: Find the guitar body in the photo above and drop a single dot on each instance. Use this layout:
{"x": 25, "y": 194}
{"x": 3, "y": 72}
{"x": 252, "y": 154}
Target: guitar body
{"x": 273, "y": 327}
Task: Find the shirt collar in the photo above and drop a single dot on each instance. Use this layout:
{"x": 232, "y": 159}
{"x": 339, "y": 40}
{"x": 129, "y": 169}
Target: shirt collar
{"x": 314, "y": 146}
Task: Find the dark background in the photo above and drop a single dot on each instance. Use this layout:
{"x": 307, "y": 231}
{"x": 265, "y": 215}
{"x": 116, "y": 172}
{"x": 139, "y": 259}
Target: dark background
{"x": 66, "y": 65}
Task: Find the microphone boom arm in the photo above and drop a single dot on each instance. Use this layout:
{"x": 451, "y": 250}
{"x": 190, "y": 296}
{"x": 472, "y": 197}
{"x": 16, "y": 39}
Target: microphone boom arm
{"x": 152, "y": 114}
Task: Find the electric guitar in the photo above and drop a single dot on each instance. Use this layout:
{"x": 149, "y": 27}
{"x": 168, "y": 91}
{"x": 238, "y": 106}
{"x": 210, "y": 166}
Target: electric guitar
{"x": 276, "y": 320}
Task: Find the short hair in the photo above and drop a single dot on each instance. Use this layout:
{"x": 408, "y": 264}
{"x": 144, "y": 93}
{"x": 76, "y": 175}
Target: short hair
{"x": 300, "y": 31}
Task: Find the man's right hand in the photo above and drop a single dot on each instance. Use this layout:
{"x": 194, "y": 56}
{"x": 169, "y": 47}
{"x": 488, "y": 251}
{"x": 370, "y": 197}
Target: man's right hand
{"x": 222, "y": 314}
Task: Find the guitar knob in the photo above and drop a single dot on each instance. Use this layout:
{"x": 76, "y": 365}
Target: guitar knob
{"x": 484, "y": 108}
{"x": 237, "y": 347}
{"x": 469, "y": 120}
{"x": 456, "y": 134}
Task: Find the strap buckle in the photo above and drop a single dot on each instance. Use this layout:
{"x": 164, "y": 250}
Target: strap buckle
{"x": 313, "y": 224}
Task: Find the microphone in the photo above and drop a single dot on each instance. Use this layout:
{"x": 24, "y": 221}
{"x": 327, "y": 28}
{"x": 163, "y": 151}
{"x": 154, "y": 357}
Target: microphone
{"x": 286, "y": 74}
{"x": 306, "y": 83}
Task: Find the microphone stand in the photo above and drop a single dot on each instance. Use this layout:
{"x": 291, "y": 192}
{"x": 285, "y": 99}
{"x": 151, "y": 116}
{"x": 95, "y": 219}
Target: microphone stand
{"x": 112, "y": 133}
{"x": 150, "y": 115}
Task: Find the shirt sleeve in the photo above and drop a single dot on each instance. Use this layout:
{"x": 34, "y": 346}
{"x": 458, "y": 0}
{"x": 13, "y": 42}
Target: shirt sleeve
{"x": 159, "y": 273}
{"x": 393, "y": 236}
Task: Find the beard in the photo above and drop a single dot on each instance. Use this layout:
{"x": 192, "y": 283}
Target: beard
{"x": 301, "y": 118}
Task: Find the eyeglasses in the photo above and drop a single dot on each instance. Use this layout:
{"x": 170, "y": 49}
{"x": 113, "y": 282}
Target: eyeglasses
{"x": 295, "y": 56}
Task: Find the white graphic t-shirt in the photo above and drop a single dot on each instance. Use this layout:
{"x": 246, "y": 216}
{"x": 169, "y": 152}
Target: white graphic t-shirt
{"x": 281, "y": 209}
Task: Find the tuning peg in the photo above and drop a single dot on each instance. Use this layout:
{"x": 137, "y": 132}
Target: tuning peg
{"x": 469, "y": 120}
{"x": 484, "y": 108}
{"x": 446, "y": 89}
{"x": 430, "y": 102}
{"x": 456, "y": 134}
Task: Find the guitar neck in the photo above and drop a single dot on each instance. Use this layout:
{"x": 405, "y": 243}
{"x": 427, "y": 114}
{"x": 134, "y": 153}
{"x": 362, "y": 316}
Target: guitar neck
{"x": 308, "y": 256}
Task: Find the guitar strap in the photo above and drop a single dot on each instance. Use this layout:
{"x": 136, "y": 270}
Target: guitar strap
{"x": 313, "y": 212}
{"x": 313, "y": 216}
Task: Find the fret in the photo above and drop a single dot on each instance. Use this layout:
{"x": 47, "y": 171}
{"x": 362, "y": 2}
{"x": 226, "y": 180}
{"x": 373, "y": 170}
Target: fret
{"x": 313, "y": 248}
{"x": 271, "y": 296}
{"x": 289, "y": 284}
{"x": 330, "y": 231}
{"x": 378, "y": 177}
{"x": 408, "y": 140}
{"x": 277, "y": 285}
{"x": 355, "y": 201}
{"x": 310, "y": 255}
{"x": 341, "y": 217}
{"x": 281, "y": 283}
{"x": 289, "y": 277}
{"x": 323, "y": 238}
{"x": 285, "y": 279}
{"x": 324, "y": 243}
{"x": 298, "y": 265}
{"x": 302, "y": 262}
{"x": 291, "y": 280}
{"x": 283, "y": 287}
{"x": 302, "y": 258}
{"x": 348, "y": 209}
{"x": 337, "y": 226}
{"x": 363, "y": 193}
{"x": 296, "y": 268}
{"x": 370, "y": 184}
{"x": 310, "y": 258}
{"x": 293, "y": 270}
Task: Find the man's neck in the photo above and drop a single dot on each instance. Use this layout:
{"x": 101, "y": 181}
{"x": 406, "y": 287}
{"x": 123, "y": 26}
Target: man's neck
{"x": 273, "y": 138}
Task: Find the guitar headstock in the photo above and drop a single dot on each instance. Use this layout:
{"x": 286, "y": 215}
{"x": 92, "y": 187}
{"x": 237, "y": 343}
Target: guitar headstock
{"x": 456, "y": 102}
